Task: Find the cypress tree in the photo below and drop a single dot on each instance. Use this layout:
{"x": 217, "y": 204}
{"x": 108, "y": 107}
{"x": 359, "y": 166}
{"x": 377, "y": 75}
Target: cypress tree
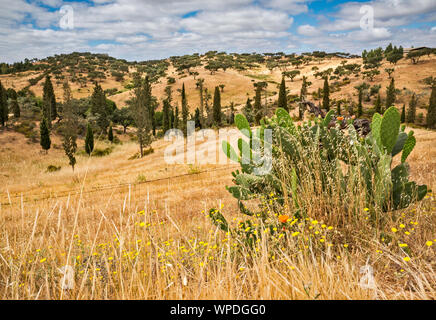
{"x": 70, "y": 127}
{"x": 99, "y": 107}
{"x": 303, "y": 94}
{"x": 3, "y": 106}
{"x": 49, "y": 110}
{"x": 257, "y": 105}
{"x": 44, "y": 135}
{"x": 431, "y": 113}
{"x": 185, "y": 111}
{"x": 390, "y": 94}
{"x": 166, "y": 116}
{"x": 110, "y": 135}
{"x": 15, "y": 108}
{"x": 338, "y": 108}
{"x": 359, "y": 105}
{"x": 403, "y": 114}
{"x": 89, "y": 140}
{"x": 411, "y": 113}
{"x": 197, "y": 118}
{"x": 377, "y": 105}
{"x": 217, "y": 107}
{"x": 326, "y": 95}
{"x": 176, "y": 118}
{"x": 282, "y": 102}
{"x": 248, "y": 111}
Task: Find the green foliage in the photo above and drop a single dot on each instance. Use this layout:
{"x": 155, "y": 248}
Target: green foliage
{"x": 431, "y": 113}
{"x": 297, "y": 153}
{"x": 326, "y": 95}
{"x": 44, "y": 135}
{"x": 282, "y": 102}
{"x": 217, "y": 107}
{"x": 89, "y": 140}
{"x": 3, "y": 106}
{"x": 52, "y": 168}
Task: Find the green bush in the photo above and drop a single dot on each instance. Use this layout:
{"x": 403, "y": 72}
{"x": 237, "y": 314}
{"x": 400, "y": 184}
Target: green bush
{"x": 322, "y": 171}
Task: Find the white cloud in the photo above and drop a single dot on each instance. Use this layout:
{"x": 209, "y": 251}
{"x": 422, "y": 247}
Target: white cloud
{"x": 308, "y": 30}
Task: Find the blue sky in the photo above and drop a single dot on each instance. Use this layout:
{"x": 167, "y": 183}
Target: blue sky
{"x": 152, "y": 29}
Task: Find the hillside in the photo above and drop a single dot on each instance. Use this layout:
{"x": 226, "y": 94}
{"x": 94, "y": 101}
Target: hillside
{"x": 115, "y": 75}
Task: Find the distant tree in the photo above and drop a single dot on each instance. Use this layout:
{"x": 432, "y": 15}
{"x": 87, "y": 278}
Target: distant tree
{"x": 141, "y": 112}
{"x": 217, "y": 107}
{"x": 185, "y": 111}
{"x": 110, "y": 135}
{"x": 247, "y": 110}
{"x": 99, "y": 107}
{"x": 303, "y": 95}
{"x": 197, "y": 118}
{"x": 222, "y": 86}
{"x": 282, "y": 102}
{"x": 389, "y": 71}
{"x": 166, "y": 116}
{"x": 257, "y": 111}
{"x": 326, "y": 95}
{"x": 89, "y": 140}
{"x": 390, "y": 94}
{"x": 44, "y": 132}
{"x": 359, "y": 104}
{"x": 403, "y": 113}
{"x": 4, "y": 112}
{"x": 123, "y": 117}
{"x": 431, "y": 113}
{"x": 70, "y": 127}
{"x": 378, "y": 104}
{"x": 338, "y": 107}
{"x": 291, "y": 74}
{"x": 411, "y": 112}
{"x": 49, "y": 110}
{"x": 415, "y": 55}
{"x": 199, "y": 84}
{"x": 176, "y": 119}
{"x": 231, "y": 119}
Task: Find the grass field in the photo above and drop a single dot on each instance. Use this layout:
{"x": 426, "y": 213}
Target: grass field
{"x": 126, "y": 238}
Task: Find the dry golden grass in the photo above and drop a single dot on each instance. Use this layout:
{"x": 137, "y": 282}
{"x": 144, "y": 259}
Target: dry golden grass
{"x": 152, "y": 240}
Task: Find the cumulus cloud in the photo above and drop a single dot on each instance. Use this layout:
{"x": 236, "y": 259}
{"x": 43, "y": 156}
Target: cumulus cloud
{"x": 149, "y": 29}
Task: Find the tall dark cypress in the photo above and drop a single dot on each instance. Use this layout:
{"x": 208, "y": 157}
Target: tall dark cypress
{"x": 185, "y": 111}
{"x": 166, "y": 116}
{"x": 282, "y": 102}
{"x": 431, "y": 113}
{"x": 411, "y": 112}
{"x": 3, "y": 106}
{"x": 89, "y": 140}
{"x": 403, "y": 114}
{"x": 359, "y": 105}
{"x": 326, "y": 95}
{"x": 258, "y": 112}
{"x": 390, "y": 94}
{"x": 44, "y": 131}
{"x": 217, "y": 107}
{"x": 49, "y": 110}
{"x": 377, "y": 105}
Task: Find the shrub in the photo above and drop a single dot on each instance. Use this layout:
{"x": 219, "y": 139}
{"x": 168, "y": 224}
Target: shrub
{"x": 52, "y": 168}
{"x": 322, "y": 172}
